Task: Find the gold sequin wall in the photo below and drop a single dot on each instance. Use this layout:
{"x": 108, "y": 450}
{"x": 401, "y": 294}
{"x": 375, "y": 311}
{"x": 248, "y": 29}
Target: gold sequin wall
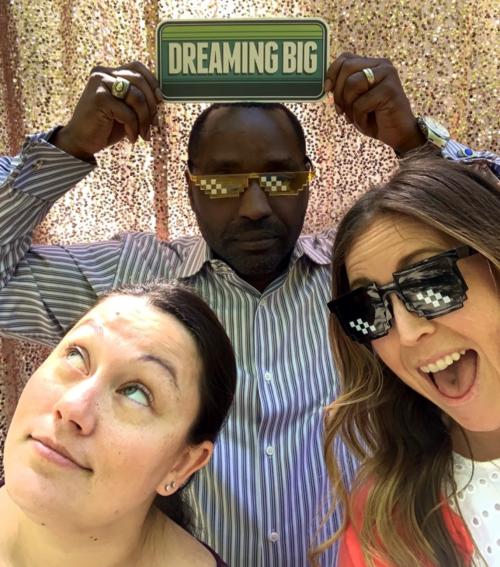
{"x": 445, "y": 50}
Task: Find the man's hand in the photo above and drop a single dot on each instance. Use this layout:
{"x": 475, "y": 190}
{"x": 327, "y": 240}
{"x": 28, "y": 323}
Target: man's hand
{"x": 380, "y": 110}
{"x": 101, "y": 119}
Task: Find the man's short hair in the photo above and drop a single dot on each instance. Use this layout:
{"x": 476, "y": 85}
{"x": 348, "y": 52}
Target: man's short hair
{"x": 196, "y": 130}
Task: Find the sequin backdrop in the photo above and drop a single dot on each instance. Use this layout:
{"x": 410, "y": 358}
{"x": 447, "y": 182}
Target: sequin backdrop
{"x": 444, "y": 50}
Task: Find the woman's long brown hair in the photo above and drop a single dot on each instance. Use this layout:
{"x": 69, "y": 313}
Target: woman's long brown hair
{"x": 400, "y": 438}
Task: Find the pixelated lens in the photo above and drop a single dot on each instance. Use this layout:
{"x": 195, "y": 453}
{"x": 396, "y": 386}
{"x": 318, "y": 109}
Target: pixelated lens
{"x": 274, "y": 184}
{"x": 362, "y": 313}
{"x": 432, "y": 289}
{"x": 221, "y": 186}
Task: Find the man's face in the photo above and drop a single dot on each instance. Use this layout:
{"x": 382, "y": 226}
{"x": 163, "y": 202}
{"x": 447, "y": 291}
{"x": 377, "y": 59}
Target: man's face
{"x": 254, "y": 233}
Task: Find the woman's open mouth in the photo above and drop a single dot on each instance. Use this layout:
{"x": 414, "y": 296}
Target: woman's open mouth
{"x": 454, "y": 375}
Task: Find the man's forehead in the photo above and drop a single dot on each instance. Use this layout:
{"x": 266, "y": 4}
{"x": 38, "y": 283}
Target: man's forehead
{"x": 243, "y": 118}
{"x": 243, "y": 138}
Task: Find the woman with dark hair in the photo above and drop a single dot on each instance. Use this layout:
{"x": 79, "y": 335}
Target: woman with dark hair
{"x": 109, "y": 430}
{"x": 415, "y": 331}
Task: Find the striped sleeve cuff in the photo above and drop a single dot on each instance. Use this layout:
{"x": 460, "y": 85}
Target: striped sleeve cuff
{"x": 44, "y": 171}
{"x": 458, "y": 152}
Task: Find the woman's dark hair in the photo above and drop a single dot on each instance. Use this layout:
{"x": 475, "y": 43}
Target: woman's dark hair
{"x": 218, "y": 370}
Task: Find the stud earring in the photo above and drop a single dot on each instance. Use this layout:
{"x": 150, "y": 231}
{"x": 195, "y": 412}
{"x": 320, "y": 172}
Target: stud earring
{"x": 170, "y": 486}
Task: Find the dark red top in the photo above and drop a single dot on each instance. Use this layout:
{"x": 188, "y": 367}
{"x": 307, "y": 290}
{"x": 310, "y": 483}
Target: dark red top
{"x": 220, "y": 563}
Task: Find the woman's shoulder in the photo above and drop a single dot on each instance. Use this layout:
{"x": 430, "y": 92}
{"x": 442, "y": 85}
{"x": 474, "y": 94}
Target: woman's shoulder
{"x": 180, "y": 548}
{"x": 218, "y": 560}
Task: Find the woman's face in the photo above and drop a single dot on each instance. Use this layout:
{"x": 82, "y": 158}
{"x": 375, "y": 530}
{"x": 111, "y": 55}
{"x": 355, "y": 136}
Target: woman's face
{"x": 468, "y": 389}
{"x": 118, "y": 396}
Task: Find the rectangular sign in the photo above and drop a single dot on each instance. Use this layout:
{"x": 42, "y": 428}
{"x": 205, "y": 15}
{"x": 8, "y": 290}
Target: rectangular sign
{"x": 242, "y": 60}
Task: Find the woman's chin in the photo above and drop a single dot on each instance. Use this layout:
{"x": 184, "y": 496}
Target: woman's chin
{"x": 38, "y": 497}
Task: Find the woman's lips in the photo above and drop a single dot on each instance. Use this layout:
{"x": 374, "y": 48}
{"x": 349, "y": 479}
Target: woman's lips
{"x": 462, "y": 378}
{"x": 55, "y": 453}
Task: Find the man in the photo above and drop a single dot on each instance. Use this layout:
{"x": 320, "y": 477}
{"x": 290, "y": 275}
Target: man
{"x": 260, "y": 501}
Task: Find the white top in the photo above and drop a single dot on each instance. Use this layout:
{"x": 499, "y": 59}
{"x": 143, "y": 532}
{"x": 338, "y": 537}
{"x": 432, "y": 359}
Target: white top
{"x": 478, "y": 485}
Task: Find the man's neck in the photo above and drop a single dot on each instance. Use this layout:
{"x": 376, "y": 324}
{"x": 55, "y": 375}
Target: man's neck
{"x": 32, "y": 543}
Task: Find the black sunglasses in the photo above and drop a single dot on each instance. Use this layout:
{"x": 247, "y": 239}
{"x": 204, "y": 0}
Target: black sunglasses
{"x": 430, "y": 288}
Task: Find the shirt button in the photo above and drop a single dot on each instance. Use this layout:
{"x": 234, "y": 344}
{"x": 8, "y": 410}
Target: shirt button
{"x": 270, "y": 450}
{"x": 274, "y": 537}
{"x": 38, "y": 164}
{"x": 268, "y": 376}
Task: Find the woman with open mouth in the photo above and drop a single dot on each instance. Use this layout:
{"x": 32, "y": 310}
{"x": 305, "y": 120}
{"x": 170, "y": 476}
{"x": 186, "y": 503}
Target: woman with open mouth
{"x": 415, "y": 331}
{"x": 109, "y": 430}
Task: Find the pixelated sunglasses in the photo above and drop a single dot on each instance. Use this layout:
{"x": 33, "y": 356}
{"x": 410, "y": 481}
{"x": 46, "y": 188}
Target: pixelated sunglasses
{"x": 430, "y": 288}
{"x": 285, "y": 183}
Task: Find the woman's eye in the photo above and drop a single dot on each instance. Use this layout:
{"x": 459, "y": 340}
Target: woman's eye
{"x": 137, "y": 394}
{"x": 75, "y": 357}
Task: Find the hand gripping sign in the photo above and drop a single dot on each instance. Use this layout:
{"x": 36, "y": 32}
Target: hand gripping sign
{"x": 242, "y": 60}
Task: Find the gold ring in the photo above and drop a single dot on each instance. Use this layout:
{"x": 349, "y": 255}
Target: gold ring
{"x": 120, "y": 87}
{"x": 370, "y": 77}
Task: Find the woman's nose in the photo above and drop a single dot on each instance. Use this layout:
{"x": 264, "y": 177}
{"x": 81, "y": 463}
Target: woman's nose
{"x": 410, "y": 327}
{"x": 78, "y": 406}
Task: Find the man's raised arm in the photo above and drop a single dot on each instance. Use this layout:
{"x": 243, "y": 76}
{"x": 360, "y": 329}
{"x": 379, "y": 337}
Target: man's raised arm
{"x": 44, "y": 288}
{"x": 369, "y": 93}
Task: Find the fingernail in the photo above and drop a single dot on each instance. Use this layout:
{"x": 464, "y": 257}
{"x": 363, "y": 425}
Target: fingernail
{"x": 328, "y": 85}
{"x": 159, "y": 95}
{"x": 156, "y": 120}
{"x": 338, "y": 110}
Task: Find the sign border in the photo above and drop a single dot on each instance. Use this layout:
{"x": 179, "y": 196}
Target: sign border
{"x": 317, "y": 98}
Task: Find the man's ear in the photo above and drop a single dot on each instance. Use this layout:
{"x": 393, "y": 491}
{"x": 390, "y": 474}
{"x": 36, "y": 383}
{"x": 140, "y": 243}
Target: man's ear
{"x": 192, "y": 459}
{"x": 189, "y": 188}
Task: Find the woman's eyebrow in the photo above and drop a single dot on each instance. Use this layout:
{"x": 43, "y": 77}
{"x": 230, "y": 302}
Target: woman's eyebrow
{"x": 403, "y": 262}
{"x": 360, "y": 282}
{"x": 96, "y": 327}
{"x": 172, "y": 373}
{"x": 411, "y": 258}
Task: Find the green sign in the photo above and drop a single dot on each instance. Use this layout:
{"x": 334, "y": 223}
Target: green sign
{"x": 242, "y": 60}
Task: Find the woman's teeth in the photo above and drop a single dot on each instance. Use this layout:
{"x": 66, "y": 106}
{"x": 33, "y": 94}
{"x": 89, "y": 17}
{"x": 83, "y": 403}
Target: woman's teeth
{"x": 442, "y": 363}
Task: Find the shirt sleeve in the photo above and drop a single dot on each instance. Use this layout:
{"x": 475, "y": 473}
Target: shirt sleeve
{"x": 458, "y": 152}
{"x": 43, "y": 288}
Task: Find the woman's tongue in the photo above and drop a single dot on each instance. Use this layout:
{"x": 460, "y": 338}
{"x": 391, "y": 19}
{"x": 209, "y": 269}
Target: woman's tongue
{"x": 457, "y": 379}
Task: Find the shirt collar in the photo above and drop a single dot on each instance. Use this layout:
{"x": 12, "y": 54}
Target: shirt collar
{"x": 318, "y": 248}
{"x": 195, "y": 258}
